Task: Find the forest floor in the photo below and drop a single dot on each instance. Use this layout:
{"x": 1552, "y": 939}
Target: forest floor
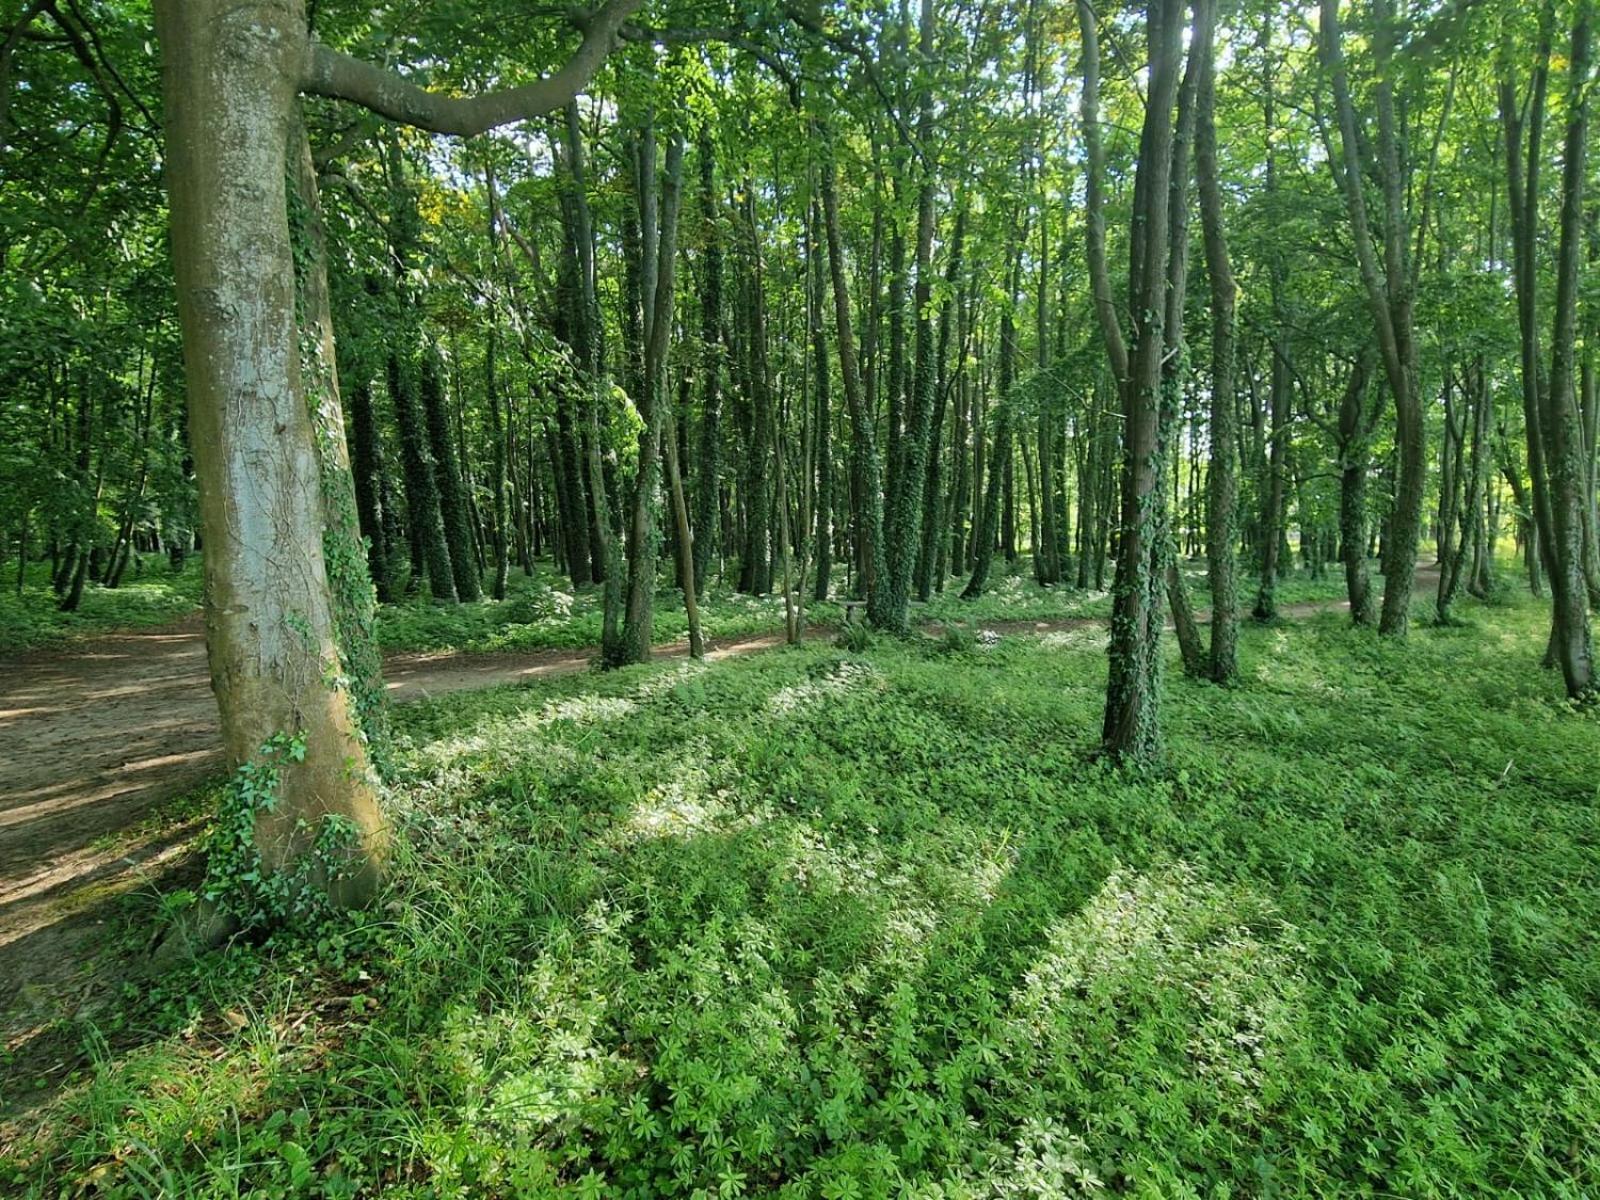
{"x": 874, "y": 920}
{"x": 106, "y": 748}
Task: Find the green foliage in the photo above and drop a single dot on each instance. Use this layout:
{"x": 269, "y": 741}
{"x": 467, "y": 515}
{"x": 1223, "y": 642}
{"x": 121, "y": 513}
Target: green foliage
{"x": 959, "y": 638}
{"x": 239, "y": 883}
{"x": 544, "y": 612}
{"x": 820, "y": 923}
{"x": 150, "y": 595}
{"x": 855, "y": 636}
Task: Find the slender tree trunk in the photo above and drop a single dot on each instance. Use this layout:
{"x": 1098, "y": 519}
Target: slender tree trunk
{"x": 708, "y": 467}
{"x": 430, "y": 547}
{"x": 661, "y": 245}
{"x": 1222, "y": 480}
{"x": 447, "y": 478}
{"x": 987, "y": 519}
{"x": 1389, "y": 297}
{"x": 1354, "y": 466}
{"x": 367, "y": 468}
{"x": 863, "y": 443}
{"x": 497, "y": 469}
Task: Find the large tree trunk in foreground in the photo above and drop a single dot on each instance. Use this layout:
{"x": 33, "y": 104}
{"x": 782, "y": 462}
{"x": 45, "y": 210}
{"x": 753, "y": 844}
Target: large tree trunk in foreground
{"x": 230, "y": 74}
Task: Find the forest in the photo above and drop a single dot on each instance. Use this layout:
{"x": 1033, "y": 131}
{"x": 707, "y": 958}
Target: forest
{"x": 937, "y": 599}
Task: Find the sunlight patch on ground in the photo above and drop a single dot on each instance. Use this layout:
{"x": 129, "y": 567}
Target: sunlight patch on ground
{"x": 989, "y": 870}
{"x": 665, "y": 680}
{"x": 1235, "y": 965}
{"x": 1047, "y": 1162}
{"x": 802, "y": 697}
{"x": 684, "y": 803}
{"x": 504, "y": 734}
{"x": 1085, "y": 637}
{"x": 533, "y": 1060}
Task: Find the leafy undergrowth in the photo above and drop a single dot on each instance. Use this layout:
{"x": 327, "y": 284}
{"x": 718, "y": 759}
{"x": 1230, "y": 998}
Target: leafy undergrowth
{"x": 821, "y": 924}
{"x": 153, "y": 596}
{"x": 544, "y": 611}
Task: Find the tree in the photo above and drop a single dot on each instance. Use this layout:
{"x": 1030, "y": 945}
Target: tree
{"x": 1389, "y": 289}
{"x": 1222, "y": 496}
{"x": 1132, "y": 729}
{"x": 1556, "y": 449}
{"x": 232, "y": 75}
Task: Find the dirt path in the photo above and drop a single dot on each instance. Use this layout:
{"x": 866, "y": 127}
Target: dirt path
{"x": 94, "y": 739}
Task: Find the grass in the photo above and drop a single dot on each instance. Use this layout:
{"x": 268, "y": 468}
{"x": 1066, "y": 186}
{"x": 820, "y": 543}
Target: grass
{"x": 815, "y": 923}
{"x": 157, "y": 596}
{"x": 544, "y": 612}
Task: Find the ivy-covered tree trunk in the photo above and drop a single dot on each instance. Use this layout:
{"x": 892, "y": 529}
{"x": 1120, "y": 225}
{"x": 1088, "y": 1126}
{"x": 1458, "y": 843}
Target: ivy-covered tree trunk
{"x": 453, "y": 509}
{"x": 823, "y": 413}
{"x": 230, "y": 75}
{"x": 632, "y": 645}
{"x": 594, "y": 489}
{"x": 755, "y": 572}
{"x": 1354, "y": 453}
{"x": 355, "y": 607}
{"x": 367, "y": 466}
{"x": 1132, "y": 729}
{"x": 430, "y": 548}
{"x": 1272, "y": 499}
{"x": 1222, "y": 477}
{"x": 497, "y": 470}
{"x": 1175, "y": 354}
{"x": 987, "y": 524}
{"x": 909, "y": 477}
{"x": 1553, "y": 422}
{"x": 708, "y": 468}
{"x": 863, "y": 443}
{"x": 1389, "y": 290}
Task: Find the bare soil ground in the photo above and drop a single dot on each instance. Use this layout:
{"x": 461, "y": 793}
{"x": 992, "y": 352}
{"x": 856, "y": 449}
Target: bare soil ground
{"x": 97, "y": 740}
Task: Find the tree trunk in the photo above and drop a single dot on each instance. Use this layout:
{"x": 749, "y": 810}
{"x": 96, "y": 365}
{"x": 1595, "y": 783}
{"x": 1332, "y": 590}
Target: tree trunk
{"x": 863, "y": 445}
{"x": 230, "y": 75}
{"x": 1222, "y": 479}
{"x": 707, "y": 501}
{"x": 1131, "y": 730}
{"x": 355, "y": 608}
{"x": 660, "y": 246}
{"x": 1389, "y": 298}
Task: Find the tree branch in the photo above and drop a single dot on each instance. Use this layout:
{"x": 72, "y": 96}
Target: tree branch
{"x": 340, "y": 77}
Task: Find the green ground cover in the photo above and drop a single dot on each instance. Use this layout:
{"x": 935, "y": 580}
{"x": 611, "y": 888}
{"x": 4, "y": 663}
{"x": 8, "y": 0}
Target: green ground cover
{"x": 822, "y": 923}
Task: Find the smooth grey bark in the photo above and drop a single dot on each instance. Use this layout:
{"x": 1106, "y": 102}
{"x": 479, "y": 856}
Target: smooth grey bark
{"x": 231, "y": 73}
{"x": 230, "y": 78}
